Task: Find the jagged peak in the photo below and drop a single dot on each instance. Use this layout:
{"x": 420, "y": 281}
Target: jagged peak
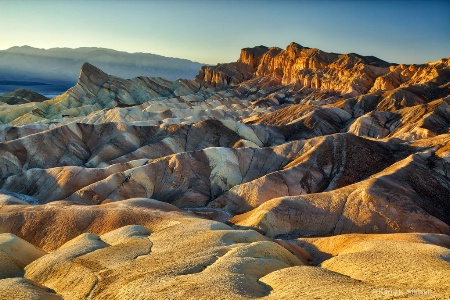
{"x": 88, "y": 69}
{"x": 91, "y": 73}
{"x": 294, "y": 44}
{"x": 295, "y": 47}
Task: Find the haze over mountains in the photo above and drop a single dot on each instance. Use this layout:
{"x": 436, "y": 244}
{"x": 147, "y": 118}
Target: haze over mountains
{"x": 53, "y": 71}
{"x": 290, "y": 174}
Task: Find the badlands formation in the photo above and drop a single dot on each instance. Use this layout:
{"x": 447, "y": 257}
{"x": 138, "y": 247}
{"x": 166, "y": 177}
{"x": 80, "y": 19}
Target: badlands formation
{"x": 289, "y": 174}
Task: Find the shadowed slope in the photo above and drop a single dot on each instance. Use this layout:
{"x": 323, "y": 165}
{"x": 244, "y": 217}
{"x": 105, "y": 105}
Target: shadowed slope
{"x": 406, "y": 197}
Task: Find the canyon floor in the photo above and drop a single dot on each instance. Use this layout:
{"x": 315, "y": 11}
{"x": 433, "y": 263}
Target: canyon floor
{"x": 290, "y": 174}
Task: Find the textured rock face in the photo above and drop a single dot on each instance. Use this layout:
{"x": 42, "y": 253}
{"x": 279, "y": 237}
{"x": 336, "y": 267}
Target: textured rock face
{"x": 68, "y": 220}
{"x": 311, "y": 68}
{"x": 347, "y": 75}
{"x": 136, "y": 260}
{"x": 373, "y": 205}
{"x": 224, "y": 75}
{"x": 124, "y": 261}
{"x": 179, "y": 259}
{"x": 230, "y": 185}
{"x": 252, "y": 56}
{"x": 22, "y": 288}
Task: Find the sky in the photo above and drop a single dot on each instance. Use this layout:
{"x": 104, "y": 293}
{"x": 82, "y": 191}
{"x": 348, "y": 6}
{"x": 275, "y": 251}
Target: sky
{"x": 213, "y": 32}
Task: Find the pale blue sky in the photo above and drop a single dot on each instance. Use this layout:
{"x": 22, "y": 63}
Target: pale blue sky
{"x": 215, "y": 31}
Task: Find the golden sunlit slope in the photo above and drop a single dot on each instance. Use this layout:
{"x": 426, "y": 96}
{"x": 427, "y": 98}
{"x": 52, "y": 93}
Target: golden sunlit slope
{"x": 180, "y": 256}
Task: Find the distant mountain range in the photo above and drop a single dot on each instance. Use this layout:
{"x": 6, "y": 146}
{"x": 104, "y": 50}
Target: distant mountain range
{"x": 53, "y": 71}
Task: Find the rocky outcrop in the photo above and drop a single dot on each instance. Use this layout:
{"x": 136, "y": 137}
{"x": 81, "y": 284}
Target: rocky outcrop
{"x": 252, "y": 56}
{"x": 224, "y": 75}
{"x": 348, "y": 75}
